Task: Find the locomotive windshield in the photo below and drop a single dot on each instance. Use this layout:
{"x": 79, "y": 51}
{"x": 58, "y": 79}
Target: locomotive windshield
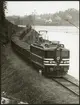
{"x": 58, "y": 53}
{"x": 49, "y": 54}
{"x": 65, "y": 54}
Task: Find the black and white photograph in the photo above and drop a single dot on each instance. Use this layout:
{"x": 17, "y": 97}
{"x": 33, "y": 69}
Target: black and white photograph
{"x": 39, "y": 52}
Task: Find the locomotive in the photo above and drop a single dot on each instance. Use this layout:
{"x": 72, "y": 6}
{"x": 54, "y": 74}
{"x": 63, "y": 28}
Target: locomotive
{"x": 50, "y": 57}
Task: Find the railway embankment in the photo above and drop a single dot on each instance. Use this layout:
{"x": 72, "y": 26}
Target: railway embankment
{"x": 20, "y": 80}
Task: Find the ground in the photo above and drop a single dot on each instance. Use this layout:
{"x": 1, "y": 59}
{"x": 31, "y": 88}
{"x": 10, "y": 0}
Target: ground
{"x": 20, "y": 80}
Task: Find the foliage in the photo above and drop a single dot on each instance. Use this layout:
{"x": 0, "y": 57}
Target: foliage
{"x": 58, "y": 18}
{"x": 2, "y": 11}
{"x": 7, "y": 28}
{"x": 2, "y": 21}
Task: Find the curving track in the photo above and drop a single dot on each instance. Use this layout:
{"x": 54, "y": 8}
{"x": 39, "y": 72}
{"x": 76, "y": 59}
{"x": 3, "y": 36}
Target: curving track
{"x": 72, "y": 87}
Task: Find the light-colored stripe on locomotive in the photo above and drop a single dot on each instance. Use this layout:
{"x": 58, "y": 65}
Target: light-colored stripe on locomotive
{"x": 37, "y": 55}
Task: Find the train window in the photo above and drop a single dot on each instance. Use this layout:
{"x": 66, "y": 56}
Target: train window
{"x": 65, "y": 54}
{"x": 49, "y": 54}
{"x": 37, "y": 51}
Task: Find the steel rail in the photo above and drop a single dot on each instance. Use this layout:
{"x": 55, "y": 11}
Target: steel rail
{"x": 70, "y": 81}
{"x": 62, "y": 84}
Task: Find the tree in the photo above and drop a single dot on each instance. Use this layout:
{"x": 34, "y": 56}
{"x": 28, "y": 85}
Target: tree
{"x": 2, "y": 21}
{"x": 17, "y": 21}
{"x": 2, "y": 11}
{"x": 30, "y": 19}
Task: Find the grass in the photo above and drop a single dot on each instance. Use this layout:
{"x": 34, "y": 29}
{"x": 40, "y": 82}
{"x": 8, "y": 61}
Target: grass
{"x": 22, "y": 81}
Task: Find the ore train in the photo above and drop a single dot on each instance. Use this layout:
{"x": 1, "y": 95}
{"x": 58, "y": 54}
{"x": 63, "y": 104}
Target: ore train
{"x": 50, "y": 57}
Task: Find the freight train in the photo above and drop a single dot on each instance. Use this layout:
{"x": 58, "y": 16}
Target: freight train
{"x": 50, "y": 57}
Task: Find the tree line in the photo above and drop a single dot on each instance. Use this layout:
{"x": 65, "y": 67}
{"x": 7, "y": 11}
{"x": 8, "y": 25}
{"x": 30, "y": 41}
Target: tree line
{"x": 59, "y": 18}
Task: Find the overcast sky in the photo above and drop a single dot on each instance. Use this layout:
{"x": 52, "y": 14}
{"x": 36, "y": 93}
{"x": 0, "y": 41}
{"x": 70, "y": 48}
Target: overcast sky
{"x": 22, "y": 8}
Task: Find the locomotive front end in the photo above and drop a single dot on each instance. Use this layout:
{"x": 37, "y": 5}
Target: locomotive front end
{"x": 56, "y": 62}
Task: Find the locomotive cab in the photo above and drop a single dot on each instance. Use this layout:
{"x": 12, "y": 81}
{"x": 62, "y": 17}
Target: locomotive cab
{"x": 56, "y": 62}
{"x": 50, "y": 57}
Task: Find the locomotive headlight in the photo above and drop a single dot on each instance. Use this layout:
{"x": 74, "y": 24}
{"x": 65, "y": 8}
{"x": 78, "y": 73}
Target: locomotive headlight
{"x": 62, "y": 61}
{"x": 66, "y": 62}
{"x": 50, "y": 62}
{"x": 53, "y": 61}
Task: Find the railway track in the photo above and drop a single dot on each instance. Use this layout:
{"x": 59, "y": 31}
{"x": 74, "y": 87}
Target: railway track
{"x": 72, "y": 87}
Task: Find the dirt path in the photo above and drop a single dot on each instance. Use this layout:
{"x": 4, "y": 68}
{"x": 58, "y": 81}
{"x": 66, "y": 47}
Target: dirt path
{"x": 20, "y": 80}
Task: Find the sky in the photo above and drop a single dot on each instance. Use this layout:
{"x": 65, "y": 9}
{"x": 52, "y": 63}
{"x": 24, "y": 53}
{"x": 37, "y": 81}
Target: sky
{"x": 22, "y": 8}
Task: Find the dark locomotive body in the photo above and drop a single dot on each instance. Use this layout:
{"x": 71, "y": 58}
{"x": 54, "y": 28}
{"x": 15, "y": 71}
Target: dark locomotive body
{"x": 51, "y": 58}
